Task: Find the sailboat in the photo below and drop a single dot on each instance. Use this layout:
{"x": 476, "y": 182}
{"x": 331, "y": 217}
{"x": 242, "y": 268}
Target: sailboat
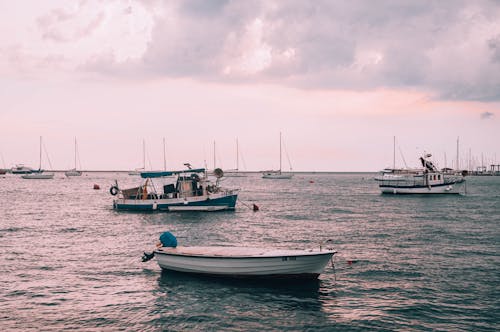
{"x": 74, "y": 171}
{"x": 277, "y": 174}
{"x": 39, "y": 174}
{"x": 235, "y": 173}
{"x": 138, "y": 171}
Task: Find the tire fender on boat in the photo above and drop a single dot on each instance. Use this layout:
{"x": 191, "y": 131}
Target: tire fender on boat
{"x": 113, "y": 190}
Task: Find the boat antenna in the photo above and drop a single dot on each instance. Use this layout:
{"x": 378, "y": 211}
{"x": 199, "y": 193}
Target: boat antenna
{"x": 394, "y": 153}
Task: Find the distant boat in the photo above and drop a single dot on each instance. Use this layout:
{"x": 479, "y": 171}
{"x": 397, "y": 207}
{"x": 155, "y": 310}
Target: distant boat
{"x": 138, "y": 171}
{"x": 21, "y": 169}
{"x": 242, "y": 262}
{"x": 74, "y": 171}
{"x": 277, "y": 174}
{"x": 426, "y": 180}
{"x": 235, "y": 173}
{"x": 192, "y": 191}
{"x": 39, "y": 174}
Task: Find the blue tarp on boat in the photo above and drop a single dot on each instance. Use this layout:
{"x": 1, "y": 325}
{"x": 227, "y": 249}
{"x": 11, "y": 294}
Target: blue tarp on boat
{"x": 159, "y": 174}
{"x": 168, "y": 239}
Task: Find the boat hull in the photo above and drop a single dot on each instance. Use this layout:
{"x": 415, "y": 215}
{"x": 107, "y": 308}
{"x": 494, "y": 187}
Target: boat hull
{"x": 38, "y": 176}
{"x": 282, "y": 176}
{"x": 73, "y": 173}
{"x": 271, "y": 264}
{"x": 215, "y": 202}
{"x": 450, "y": 188}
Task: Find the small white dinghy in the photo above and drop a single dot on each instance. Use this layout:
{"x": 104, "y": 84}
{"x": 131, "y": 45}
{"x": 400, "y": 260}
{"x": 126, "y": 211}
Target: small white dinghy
{"x": 241, "y": 262}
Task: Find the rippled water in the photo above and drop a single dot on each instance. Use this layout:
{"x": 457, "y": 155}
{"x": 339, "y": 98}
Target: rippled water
{"x": 68, "y": 261}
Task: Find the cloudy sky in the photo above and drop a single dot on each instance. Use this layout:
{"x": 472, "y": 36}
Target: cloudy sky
{"x": 339, "y": 79}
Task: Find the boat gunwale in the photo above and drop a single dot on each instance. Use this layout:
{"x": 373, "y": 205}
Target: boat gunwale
{"x": 299, "y": 253}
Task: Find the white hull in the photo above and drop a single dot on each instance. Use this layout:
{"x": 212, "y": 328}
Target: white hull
{"x": 38, "y": 176}
{"x": 455, "y": 188}
{"x": 279, "y": 176}
{"x": 73, "y": 173}
{"x": 244, "y": 262}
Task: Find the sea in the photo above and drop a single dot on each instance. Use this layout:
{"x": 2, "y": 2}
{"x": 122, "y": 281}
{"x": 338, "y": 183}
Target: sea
{"x": 69, "y": 262}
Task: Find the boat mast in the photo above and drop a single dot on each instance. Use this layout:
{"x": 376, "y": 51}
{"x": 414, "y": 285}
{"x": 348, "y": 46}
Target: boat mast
{"x": 214, "y": 155}
{"x": 75, "y": 153}
{"x": 143, "y": 154}
{"x": 458, "y": 141}
{"x": 394, "y": 153}
{"x": 164, "y": 155}
{"x": 237, "y": 156}
{"x": 40, "y": 164}
{"x": 280, "y": 152}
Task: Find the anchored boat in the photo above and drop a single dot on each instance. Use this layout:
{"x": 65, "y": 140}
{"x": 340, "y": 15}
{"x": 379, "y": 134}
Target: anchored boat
{"x": 426, "y": 180}
{"x": 192, "y": 191}
{"x": 272, "y": 174}
{"x": 241, "y": 262}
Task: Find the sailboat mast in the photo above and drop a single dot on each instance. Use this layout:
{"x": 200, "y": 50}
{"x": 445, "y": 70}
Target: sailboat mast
{"x": 458, "y": 142}
{"x": 40, "y": 164}
{"x": 75, "y": 152}
{"x": 237, "y": 156}
{"x": 280, "y": 152}
{"x": 144, "y": 154}
{"x": 214, "y": 155}
{"x": 394, "y": 153}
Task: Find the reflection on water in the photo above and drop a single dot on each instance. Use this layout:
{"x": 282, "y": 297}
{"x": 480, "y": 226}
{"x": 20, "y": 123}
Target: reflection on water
{"x": 230, "y": 301}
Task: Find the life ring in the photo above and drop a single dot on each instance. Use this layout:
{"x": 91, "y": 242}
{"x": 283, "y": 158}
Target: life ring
{"x": 113, "y": 190}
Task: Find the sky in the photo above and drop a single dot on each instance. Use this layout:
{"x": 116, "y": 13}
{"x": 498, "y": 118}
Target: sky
{"x": 338, "y": 79}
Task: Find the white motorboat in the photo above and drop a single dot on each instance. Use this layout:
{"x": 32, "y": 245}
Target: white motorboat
{"x": 278, "y": 174}
{"x": 21, "y": 169}
{"x": 426, "y": 180}
{"x": 245, "y": 261}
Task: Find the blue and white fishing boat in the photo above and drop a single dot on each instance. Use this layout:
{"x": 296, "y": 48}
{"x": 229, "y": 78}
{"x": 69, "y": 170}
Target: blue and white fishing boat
{"x": 426, "y": 180}
{"x": 192, "y": 190}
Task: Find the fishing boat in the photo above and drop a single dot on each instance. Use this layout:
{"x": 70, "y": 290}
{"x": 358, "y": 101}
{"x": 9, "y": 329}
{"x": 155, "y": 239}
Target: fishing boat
{"x": 39, "y": 174}
{"x": 273, "y": 174}
{"x": 241, "y": 262}
{"x": 192, "y": 190}
{"x": 426, "y": 180}
{"x": 74, "y": 171}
